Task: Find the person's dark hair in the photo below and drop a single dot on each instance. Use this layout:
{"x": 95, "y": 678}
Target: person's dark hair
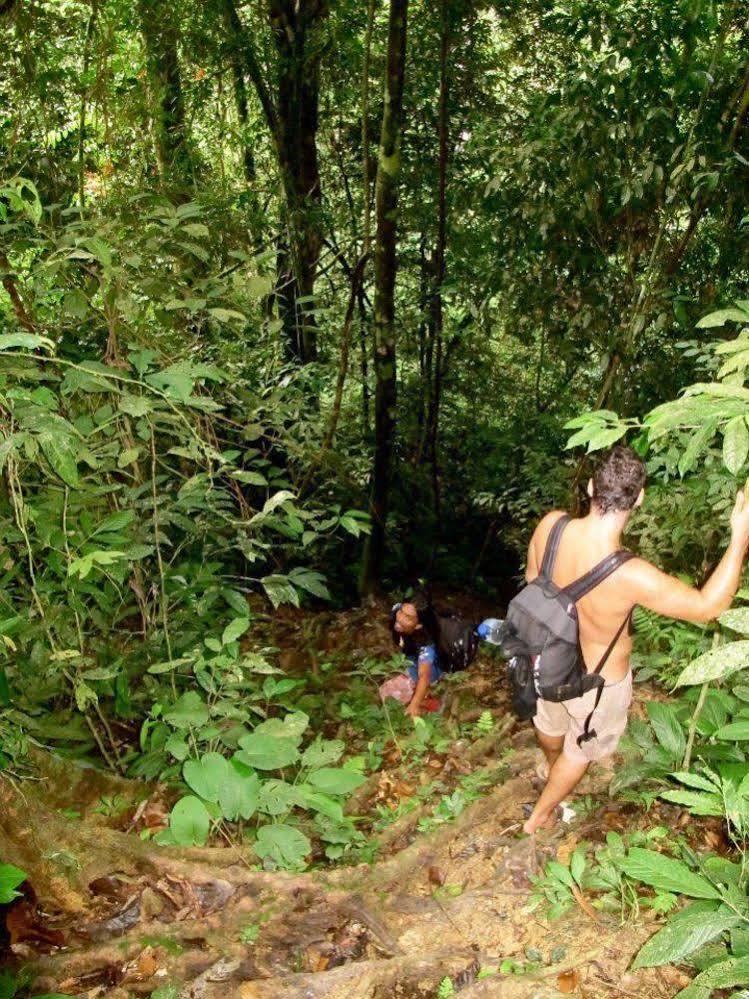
{"x": 618, "y": 479}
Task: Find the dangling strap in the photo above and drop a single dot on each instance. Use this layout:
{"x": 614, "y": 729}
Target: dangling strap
{"x": 588, "y": 733}
{"x": 582, "y": 586}
{"x": 552, "y": 546}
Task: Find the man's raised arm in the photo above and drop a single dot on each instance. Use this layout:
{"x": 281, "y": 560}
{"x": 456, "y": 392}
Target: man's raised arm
{"x": 669, "y": 596}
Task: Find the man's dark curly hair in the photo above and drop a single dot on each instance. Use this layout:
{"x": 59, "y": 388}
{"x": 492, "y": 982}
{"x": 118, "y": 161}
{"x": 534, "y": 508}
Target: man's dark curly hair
{"x": 618, "y": 479}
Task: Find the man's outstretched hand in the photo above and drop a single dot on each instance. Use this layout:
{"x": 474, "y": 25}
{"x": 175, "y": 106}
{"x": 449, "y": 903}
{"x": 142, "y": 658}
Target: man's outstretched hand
{"x": 414, "y": 710}
{"x": 740, "y": 516}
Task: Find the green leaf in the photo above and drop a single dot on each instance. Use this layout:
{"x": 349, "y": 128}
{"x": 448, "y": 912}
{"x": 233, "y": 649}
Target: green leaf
{"x": 226, "y": 315}
{"x": 667, "y": 874}
{"x": 735, "y": 444}
{"x": 695, "y": 780}
{"x": 207, "y": 775}
{"x": 267, "y": 752}
{"x": 733, "y": 732}
{"x": 62, "y": 454}
{"x": 724, "y": 975}
{"x": 114, "y": 522}
{"x": 135, "y": 405}
{"x": 280, "y": 590}
{"x": 697, "y": 802}
{"x": 682, "y": 937}
{"x": 10, "y": 879}
{"x": 310, "y": 580}
{"x": 291, "y": 726}
{"x": 721, "y": 317}
{"x": 177, "y": 747}
{"x": 189, "y": 822}
{"x": 287, "y": 846}
{"x": 667, "y": 728}
{"x": 235, "y": 629}
{"x": 335, "y": 780}
{"x": 715, "y": 664}
{"x": 277, "y": 797}
{"x": 188, "y": 712}
{"x": 737, "y": 619}
{"x": 322, "y": 753}
{"x": 24, "y": 341}
{"x": 238, "y": 796}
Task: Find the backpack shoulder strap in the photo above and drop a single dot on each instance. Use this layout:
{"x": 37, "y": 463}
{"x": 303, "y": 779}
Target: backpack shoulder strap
{"x": 552, "y": 546}
{"x": 582, "y": 586}
{"x": 587, "y": 732}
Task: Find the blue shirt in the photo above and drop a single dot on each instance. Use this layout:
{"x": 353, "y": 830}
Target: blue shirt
{"x": 427, "y": 654}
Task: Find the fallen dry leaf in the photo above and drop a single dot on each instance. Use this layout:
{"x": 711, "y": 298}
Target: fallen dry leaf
{"x": 436, "y": 876}
{"x": 568, "y": 981}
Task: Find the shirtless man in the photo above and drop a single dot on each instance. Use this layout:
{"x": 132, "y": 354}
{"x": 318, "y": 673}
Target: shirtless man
{"x": 616, "y": 488}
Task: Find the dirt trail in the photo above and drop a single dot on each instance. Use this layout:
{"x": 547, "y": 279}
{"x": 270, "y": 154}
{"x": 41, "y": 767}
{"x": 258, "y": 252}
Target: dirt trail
{"x": 133, "y": 918}
{"x": 365, "y": 932}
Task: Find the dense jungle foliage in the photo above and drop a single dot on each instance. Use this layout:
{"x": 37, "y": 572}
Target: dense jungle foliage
{"x": 302, "y": 302}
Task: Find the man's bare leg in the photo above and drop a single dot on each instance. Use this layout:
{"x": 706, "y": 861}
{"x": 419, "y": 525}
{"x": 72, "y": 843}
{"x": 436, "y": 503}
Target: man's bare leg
{"x": 564, "y": 776}
{"x": 551, "y": 746}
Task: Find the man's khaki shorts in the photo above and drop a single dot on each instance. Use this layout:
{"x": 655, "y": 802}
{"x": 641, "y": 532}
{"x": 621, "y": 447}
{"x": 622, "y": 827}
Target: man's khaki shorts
{"x": 568, "y": 719}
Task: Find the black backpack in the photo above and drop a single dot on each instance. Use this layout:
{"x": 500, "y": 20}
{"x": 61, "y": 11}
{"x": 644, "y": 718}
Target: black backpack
{"x": 456, "y": 641}
{"x": 541, "y": 638}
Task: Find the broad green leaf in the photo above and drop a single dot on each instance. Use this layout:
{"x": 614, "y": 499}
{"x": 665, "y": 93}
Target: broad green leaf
{"x": 310, "y": 580}
{"x": 188, "y": 712}
{"x": 62, "y": 454}
{"x": 679, "y": 939}
{"x": 235, "y": 629}
{"x": 135, "y": 405}
{"x": 737, "y": 619}
{"x": 667, "y": 728}
{"x": 735, "y": 444}
{"x": 114, "y": 522}
{"x": 323, "y": 753}
{"x": 24, "y": 341}
{"x": 733, "y": 732}
{"x": 291, "y": 726}
{"x": 189, "y": 822}
{"x": 287, "y": 846}
{"x": 335, "y": 780}
{"x": 280, "y": 590}
{"x": 724, "y": 975}
{"x": 238, "y": 796}
{"x": 227, "y": 315}
{"x": 697, "y": 802}
{"x": 695, "y": 780}
{"x": 715, "y": 664}
{"x": 667, "y": 874}
{"x": 277, "y": 797}
{"x": 207, "y": 775}
{"x": 10, "y": 879}
{"x": 267, "y": 752}
{"x": 322, "y": 803}
{"x": 721, "y": 317}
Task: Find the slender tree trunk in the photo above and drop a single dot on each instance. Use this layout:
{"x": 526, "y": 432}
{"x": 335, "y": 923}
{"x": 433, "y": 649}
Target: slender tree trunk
{"x": 386, "y": 213}
{"x": 9, "y": 282}
{"x": 90, "y": 27}
{"x": 161, "y": 37}
{"x": 439, "y": 275}
{"x": 297, "y": 34}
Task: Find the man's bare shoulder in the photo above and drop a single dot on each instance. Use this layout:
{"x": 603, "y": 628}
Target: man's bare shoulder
{"x": 545, "y": 524}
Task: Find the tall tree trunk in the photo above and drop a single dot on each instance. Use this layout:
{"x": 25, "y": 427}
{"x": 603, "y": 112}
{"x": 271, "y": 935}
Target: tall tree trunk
{"x": 161, "y": 36}
{"x": 292, "y": 119}
{"x": 297, "y": 34}
{"x": 386, "y": 213}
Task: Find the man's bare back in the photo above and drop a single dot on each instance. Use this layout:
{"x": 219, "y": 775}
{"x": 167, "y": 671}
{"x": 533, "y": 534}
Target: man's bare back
{"x": 615, "y": 491}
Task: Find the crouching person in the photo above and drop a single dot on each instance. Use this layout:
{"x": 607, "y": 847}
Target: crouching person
{"x": 414, "y": 633}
